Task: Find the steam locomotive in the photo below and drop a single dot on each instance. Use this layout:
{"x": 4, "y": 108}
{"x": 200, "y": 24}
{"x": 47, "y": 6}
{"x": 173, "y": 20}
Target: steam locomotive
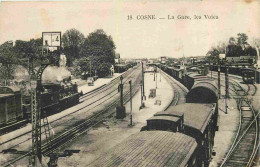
{"x": 15, "y": 106}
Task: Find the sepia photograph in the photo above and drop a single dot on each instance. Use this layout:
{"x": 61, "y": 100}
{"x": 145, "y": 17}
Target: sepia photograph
{"x": 150, "y": 83}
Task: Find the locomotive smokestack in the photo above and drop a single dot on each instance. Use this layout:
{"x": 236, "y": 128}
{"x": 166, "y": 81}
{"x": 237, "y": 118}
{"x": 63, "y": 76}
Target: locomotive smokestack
{"x": 63, "y": 60}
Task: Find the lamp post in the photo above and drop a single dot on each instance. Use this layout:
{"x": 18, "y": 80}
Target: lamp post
{"x": 256, "y": 78}
{"x": 226, "y": 87}
{"x": 120, "y": 110}
{"x": 219, "y": 92}
{"x": 121, "y": 87}
{"x": 227, "y": 81}
{"x": 90, "y": 65}
{"x": 210, "y": 67}
{"x": 156, "y": 80}
{"x": 142, "y": 97}
{"x": 154, "y": 75}
{"x": 160, "y": 76}
{"x": 131, "y": 104}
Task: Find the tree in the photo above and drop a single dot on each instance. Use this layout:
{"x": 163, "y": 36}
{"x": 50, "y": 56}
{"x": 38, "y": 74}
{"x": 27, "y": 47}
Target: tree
{"x": 8, "y": 61}
{"x": 213, "y": 55}
{"x": 72, "y": 41}
{"x": 250, "y": 51}
{"x": 242, "y": 40}
{"x": 29, "y": 49}
{"x": 234, "y": 51}
{"x": 222, "y": 48}
{"x": 103, "y": 69}
{"x": 256, "y": 44}
{"x": 99, "y": 48}
{"x": 232, "y": 41}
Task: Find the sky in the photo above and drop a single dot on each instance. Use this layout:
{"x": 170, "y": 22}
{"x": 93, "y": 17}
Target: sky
{"x": 136, "y": 38}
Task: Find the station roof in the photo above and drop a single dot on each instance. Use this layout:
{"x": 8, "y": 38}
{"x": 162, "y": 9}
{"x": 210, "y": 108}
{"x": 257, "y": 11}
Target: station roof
{"x": 141, "y": 149}
{"x": 195, "y": 115}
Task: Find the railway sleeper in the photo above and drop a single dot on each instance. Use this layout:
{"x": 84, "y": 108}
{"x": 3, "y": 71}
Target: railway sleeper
{"x": 245, "y": 108}
{"x": 237, "y": 161}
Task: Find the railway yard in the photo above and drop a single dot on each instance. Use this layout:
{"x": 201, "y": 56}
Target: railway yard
{"x": 130, "y": 84}
{"x": 172, "y": 119}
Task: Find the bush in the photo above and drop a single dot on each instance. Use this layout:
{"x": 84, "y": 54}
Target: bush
{"x": 103, "y": 70}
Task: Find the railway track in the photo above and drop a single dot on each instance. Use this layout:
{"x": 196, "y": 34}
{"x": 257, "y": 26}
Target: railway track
{"x": 16, "y": 125}
{"x": 81, "y": 126}
{"x": 100, "y": 100}
{"x": 179, "y": 91}
{"x": 11, "y": 126}
{"x": 89, "y": 123}
{"x": 245, "y": 145}
{"x": 246, "y": 142}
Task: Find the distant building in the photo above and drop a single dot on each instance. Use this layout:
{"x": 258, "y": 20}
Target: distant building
{"x": 241, "y": 59}
{"x": 163, "y": 60}
{"x": 222, "y": 56}
{"x": 233, "y": 59}
{"x": 150, "y": 61}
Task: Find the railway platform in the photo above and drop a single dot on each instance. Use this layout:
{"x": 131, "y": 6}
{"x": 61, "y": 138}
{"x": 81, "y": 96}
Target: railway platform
{"x": 112, "y": 131}
{"x": 228, "y": 124}
{"x": 85, "y": 88}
